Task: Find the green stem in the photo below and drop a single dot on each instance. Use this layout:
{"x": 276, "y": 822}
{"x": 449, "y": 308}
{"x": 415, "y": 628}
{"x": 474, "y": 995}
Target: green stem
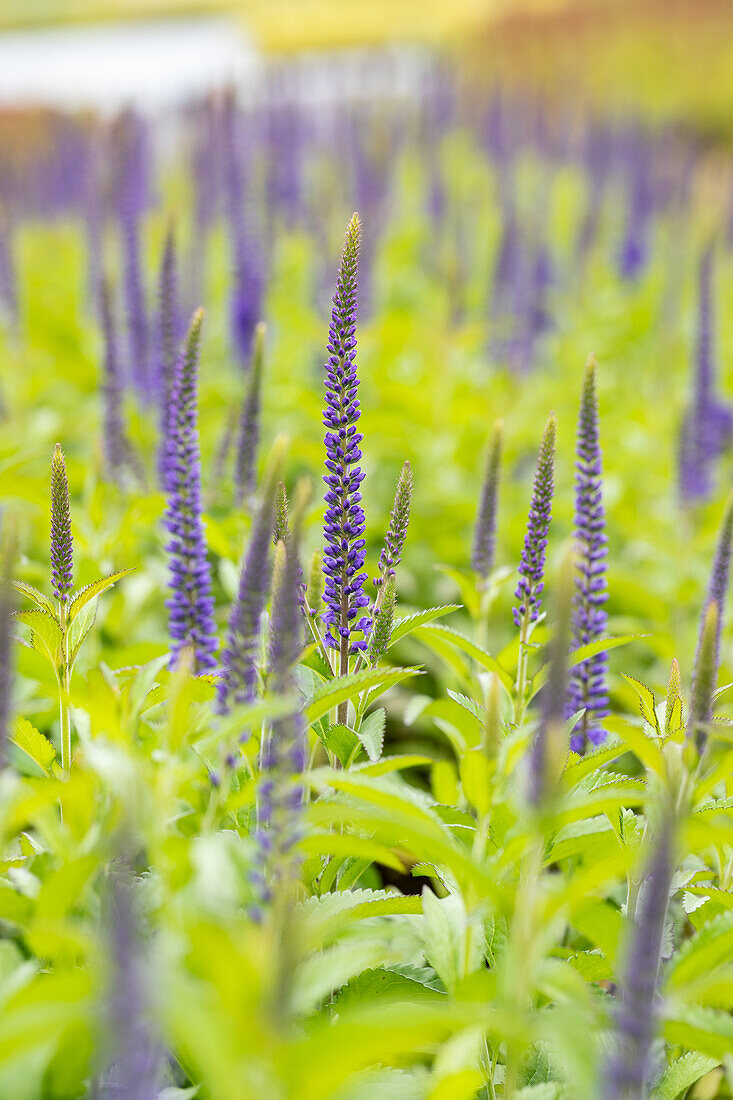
{"x": 64, "y": 685}
{"x": 522, "y": 667}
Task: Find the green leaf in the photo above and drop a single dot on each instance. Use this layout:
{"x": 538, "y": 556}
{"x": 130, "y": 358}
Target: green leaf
{"x": 647, "y": 702}
{"x": 702, "y": 1029}
{"x": 384, "y": 985}
{"x": 38, "y": 598}
{"x": 331, "y": 912}
{"x": 46, "y": 636}
{"x": 371, "y": 733}
{"x": 683, "y": 1073}
{"x": 341, "y": 742}
{"x": 342, "y": 688}
{"x": 712, "y": 946}
{"x": 601, "y": 645}
{"x": 33, "y": 744}
{"x": 459, "y": 641}
{"x": 403, "y": 627}
{"x": 90, "y": 591}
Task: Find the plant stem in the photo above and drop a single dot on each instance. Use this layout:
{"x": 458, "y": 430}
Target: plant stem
{"x": 522, "y": 665}
{"x": 343, "y": 708}
{"x": 64, "y": 684}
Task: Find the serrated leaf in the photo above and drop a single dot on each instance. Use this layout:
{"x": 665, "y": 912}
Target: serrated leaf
{"x": 330, "y": 912}
{"x": 342, "y": 688}
{"x": 44, "y": 602}
{"x": 712, "y": 946}
{"x": 404, "y": 626}
{"x": 33, "y": 744}
{"x": 341, "y": 742}
{"x": 683, "y": 1073}
{"x": 371, "y": 733}
{"x": 383, "y": 984}
{"x": 647, "y": 702}
{"x": 46, "y": 636}
{"x": 90, "y": 591}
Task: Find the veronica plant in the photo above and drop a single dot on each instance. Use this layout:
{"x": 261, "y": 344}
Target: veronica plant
{"x": 59, "y": 624}
{"x": 191, "y": 603}
{"x": 532, "y": 564}
{"x": 587, "y": 687}
{"x": 343, "y": 525}
{"x": 249, "y": 422}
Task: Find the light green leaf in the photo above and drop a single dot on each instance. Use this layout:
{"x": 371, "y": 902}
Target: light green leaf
{"x": 371, "y": 733}
{"x": 33, "y": 744}
{"x": 90, "y": 591}
{"x": 46, "y": 636}
{"x": 44, "y": 602}
{"x": 647, "y": 702}
{"x": 712, "y": 946}
{"x": 403, "y": 627}
{"x": 683, "y": 1073}
{"x": 454, "y": 638}
{"x": 337, "y": 691}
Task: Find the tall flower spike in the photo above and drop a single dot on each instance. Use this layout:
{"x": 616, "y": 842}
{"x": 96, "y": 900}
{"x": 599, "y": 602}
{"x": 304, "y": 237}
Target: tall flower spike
{"x": 283, "y": 751}
{"x": 707, "y": 425}
{"x": 549, "y": 748}
{"x": 168, "y": 317}
{"x": 532, "y": 564}
{"x": 62, "y": 554}
{"x": 167, "y": 338}
{"x": 587, "y": 688}
{"x": 484, "y": 539}
{"x": 714, "y": 419}
{"x": 382, "y": 631}
{"x": 191, "y": 603}
{"x": 6, "y": 646}
{"x": 394, "y": 541}
{"x": 280, "y": 526}
{"x": 704, "y": 679}
{"x": 238, "y": 680}
{"x": 343, "y": 524}
{"x": 134, "y": 1065}
{"x": 117, "y": 448}
{"x": 628, "y": 1069}
{"x": 249, "y": 424}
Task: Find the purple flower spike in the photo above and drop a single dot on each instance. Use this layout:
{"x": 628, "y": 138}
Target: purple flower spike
{"x": 191, "y": 603}
{"x": 168, "y": 333}
{"x": 6, "y": 647}
{"x": 532, "y": 564}
{"x": 707, "y": 655}
{"x": 238, "y": 680}
{"x": 167, "y": 337}
{"x": 62, "y": 554}
{"x": 343, "y": 524}
{"x": 629, "y": 1067}
{"x": 283, "y": 753}
{"x": 484, "y": 539}
{"x": 588, "y": 687}
{"x": 134, "y": 1054}
{"x": 707, "y": 426}
{"x": 117, "y": 447}
{"x": 249, "y": 424}
{"x": 394, "y": 541}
